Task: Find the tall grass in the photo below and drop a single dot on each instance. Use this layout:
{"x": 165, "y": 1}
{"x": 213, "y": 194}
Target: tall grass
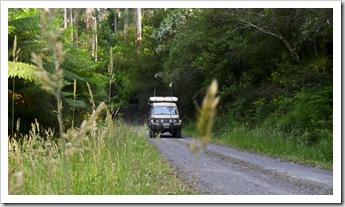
{"x": 52, "y": 83}
{"x": 114, "y": 162}
{"x": 275, "y": 143}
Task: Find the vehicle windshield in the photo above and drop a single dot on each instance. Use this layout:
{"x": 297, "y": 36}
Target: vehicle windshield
{"x": 164, "y": 110}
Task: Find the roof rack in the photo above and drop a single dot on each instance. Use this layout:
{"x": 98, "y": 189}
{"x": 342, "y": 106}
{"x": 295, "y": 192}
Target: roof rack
{"x": 163, "y": 99}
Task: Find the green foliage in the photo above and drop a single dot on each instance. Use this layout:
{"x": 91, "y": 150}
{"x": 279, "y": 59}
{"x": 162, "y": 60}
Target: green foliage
{"x": 309, "y": 110}
{"x": 279, "y": 144}
{"x": 22, "y": 70}
{"x": 169, "y": 25}
{"x": 23, "y": 23}
{"x": 19, "y": 15}
{"x": 29, "y": 101}
{"x": 116, "y": 162}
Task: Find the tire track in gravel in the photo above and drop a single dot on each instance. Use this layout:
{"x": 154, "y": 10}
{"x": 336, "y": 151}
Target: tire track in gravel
{"x": 228, "y": 171}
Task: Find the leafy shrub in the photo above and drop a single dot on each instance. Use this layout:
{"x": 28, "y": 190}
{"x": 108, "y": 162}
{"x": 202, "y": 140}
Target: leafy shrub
{"x": 310, "y": 110}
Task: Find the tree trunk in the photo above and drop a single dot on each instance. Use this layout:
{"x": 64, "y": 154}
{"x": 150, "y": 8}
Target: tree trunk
{"x": 71, "y": 22}
{"x": 88, "y": 19}
{"x": 125, "y": 24}
{"x": 76, "y": 23}
{"x": 89, "y": 27}
{"x": 65, "y": 18}
{"x": 134, "y": 17}
{"x": 138, "y": 39}
{"x": 94, "y": 39}
{"x": 110, "y": 71}
{"x": 115, "y": 19}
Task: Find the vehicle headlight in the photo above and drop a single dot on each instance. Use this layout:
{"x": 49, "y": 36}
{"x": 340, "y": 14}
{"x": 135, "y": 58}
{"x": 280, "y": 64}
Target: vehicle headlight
{"x": 162, "y": 120}
{"x": 170, "y": 120}
{"x": 157, "y": 120}
{"x": 152, "y": 120}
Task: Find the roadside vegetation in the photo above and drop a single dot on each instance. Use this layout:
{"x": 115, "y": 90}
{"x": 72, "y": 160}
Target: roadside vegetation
{"x": 274, "y": 142}
{"x": 291, "y": 124}
{"x": 115, "y": 161}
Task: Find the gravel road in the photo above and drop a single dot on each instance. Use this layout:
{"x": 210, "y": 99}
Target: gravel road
{"x": 229, "y": 171}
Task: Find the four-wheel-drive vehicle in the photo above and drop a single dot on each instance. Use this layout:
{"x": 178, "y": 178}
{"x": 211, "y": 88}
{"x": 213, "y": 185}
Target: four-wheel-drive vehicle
{"x": 164, "y": 116}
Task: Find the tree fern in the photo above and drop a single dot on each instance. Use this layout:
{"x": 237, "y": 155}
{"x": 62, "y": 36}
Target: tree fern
{"x": 74, "y": 103}
{"x": 32, "y": 104}
{"x": 22, "y": 70}
{"x": 16, "y": 16}
{"x": 71, "y": 75}
{"x": 23, "y": 23}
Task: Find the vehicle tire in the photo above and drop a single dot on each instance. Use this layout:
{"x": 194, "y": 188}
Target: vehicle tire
{"x": 151, "y": 133}
{"x": 178, "y": 133}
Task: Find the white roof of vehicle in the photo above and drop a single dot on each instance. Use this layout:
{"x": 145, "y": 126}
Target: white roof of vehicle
{"x": 163, "y": 99}
{"x": 163, "y": 104}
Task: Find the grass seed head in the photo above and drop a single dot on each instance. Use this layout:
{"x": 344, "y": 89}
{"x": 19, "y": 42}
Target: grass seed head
{"x": 15, "y": 182}
{"x": 206, "y": 117}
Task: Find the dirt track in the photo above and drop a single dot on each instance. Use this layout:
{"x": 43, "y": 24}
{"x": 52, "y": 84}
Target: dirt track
{"x": 228, "y": 171}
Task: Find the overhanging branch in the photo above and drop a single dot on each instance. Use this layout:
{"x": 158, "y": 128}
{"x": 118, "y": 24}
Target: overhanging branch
{"x": 292, "y": 51}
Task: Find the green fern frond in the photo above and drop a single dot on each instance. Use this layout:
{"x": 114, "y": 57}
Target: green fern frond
{"x": 20, "y": 13}
{"x": 66, "y": 93}
{"x": 70, "y": 75}
{"x": 22, "y": 70}
{"x": 23, "y": 20}
{"x": 74, "y": 103}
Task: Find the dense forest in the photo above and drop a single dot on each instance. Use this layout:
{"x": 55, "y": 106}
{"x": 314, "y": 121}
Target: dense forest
{"x": 274, "y": 66}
